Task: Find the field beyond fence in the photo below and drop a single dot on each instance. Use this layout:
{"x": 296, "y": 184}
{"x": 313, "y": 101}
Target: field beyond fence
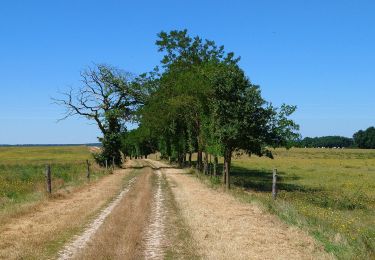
{"x": 329, "y": 192}
{"x": 22, "y": 173}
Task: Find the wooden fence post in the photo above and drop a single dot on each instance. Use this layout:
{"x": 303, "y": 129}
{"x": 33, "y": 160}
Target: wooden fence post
{"x": 88, "y": 170}
{"x": 106, "y": 164}
{"x": 48, "y": 179}
{"x": 274, "y": 187}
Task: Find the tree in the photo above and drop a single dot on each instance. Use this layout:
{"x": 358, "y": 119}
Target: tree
{"x": 243, "y": 120}
{"x": 365, "y": 139}
{"x": 205, "y": 103}
{"x": 138, "y": 142}
{"x": 109, "y": 97}
{"x": 185, "y": 89}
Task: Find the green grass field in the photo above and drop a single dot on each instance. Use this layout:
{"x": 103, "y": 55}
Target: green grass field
{"x": 22, "y": 176}
{"x": 329, "y": 192}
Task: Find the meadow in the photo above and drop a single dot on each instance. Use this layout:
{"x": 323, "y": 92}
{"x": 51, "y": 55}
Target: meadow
{"x": 22, "y": 172}
{"x": 328, "y": 192}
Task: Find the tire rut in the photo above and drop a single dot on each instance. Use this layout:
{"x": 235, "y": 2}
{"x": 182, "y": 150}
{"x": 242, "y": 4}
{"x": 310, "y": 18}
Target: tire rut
{"x": 80, "y": 241}
{"x": 154, "y": 236}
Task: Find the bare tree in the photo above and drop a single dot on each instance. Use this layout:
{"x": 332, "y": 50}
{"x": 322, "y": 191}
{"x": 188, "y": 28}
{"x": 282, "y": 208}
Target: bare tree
{"x": 109, "y": 97}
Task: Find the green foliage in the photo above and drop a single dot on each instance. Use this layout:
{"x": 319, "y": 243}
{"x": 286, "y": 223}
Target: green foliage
{"x": 138, "y": 142}
{"x": 111, "y": 145}
{"x": 202, "y": 101}
{"x": 365, "y": 139}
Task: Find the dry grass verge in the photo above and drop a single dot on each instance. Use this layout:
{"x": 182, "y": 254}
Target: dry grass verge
{"x": 225, "y": 228}
{"x": 180, "y": 244}
{"x": 39, "y": 233}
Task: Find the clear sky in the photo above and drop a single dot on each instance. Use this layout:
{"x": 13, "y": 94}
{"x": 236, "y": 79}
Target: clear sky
{"x": 318, "y": 55}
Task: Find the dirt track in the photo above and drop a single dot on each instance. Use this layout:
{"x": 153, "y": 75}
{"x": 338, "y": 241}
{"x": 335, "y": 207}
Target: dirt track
{"x": 36, "y": 233}
{"x": 227, "y": 229}
{"x": 154, "y": 212}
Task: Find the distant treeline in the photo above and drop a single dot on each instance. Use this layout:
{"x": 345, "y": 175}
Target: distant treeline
{"x": 325, "y": 141}
{"x": 364, "y": 139}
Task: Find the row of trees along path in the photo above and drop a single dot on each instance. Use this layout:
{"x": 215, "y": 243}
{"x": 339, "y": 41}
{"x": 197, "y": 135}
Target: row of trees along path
{"x": 197, "y": 100}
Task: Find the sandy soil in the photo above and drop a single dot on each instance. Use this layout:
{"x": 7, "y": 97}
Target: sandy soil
{"x": 80, "y": 241}
{"x": 225, "y": 228}
{"x": 31, "y": 235}
{"x": 121, "y": 235}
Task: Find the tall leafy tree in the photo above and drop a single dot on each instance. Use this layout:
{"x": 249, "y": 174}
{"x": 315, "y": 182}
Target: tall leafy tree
{"x": 138, "y": 143}
{"x": 243, "y": 120}
{"x": 365, "y": 138}
{"x": 205, "y": 103}
{"x": 185, "y": 86}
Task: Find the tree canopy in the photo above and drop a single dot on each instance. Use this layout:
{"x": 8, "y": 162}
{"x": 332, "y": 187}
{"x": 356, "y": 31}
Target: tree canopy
{"x": 205, "y": 103}
{"x": 198, "y": 100}
{"x": 365, "y": 138}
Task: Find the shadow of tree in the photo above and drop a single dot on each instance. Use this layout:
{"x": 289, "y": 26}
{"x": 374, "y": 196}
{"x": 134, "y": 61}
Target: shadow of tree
{"x": 261, "y": 180}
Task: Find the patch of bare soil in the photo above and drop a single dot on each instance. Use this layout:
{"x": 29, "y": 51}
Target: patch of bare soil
{"x": 225, "y": 228}
{"x": 94, "y": 149}
{"x": 135, "y": 163}
{"x": 36, "y": 234}
{"x": 121, "y": 235}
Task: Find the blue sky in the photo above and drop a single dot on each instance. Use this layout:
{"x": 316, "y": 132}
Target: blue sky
{"x": 318, "y": 55}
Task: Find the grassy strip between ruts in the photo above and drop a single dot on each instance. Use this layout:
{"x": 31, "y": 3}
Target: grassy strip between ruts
{"x": 180, "y": 242}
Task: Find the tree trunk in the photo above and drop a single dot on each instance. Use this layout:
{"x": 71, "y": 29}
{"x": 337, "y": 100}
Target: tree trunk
{"x": 180, "y": 159}
{"x": 205, "y": 166}
{"x": 210, "y": 166}
{"x": 228, "y": 155}
{"x": 190, "y": 159}
{"x": 224, "y": 171}
{"x": 215, "y": 165}
{"x": 199, "y": 161}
